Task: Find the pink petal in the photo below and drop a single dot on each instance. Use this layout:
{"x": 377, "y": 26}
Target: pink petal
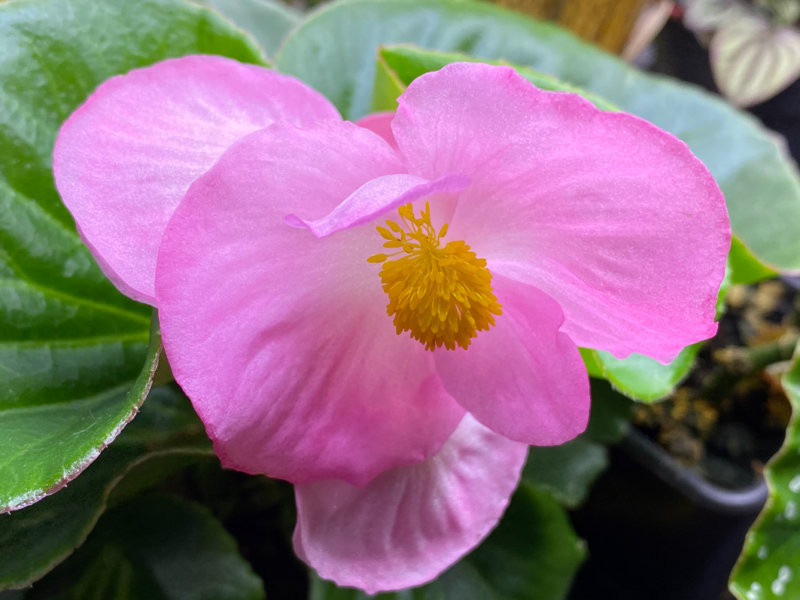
{"x": 380, "y": 123}
{"x": 280, "y": 338}
{"x": 522, "y": 378}
{"x": 125, "y": 158}
{"x": 411, "y": 523}
{"x": 376, "y": 197}
{"x": 609, "y": 215}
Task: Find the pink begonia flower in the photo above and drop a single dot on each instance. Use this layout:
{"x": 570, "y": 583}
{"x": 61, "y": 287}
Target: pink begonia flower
{"x": 387, "y": 315}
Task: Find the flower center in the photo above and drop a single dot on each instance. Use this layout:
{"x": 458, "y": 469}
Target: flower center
{"x": 441, "y": 295}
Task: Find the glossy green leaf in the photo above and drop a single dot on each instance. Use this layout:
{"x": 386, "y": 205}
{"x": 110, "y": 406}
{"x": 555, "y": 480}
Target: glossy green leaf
{"x": 268, "y": 22}
{"x": 769, "y": 567}
{"x": 644, "y": 378}
{"x": 533, "y": 553}
{"x": 166, "y": 435}
{"x": 71, "y": 346}
{"x": 334, "y": 51}
{"x": 158, "y": 548}
{"x": 45, "y": 440}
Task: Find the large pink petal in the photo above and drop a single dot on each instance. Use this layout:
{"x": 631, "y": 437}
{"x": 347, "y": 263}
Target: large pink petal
{"x": 280, "y": 338}
{"x": 609, "y": 215}
{"x": 411, "y": 523}
{"x": 523, "y": 378}
{"x": 125, "y": 158}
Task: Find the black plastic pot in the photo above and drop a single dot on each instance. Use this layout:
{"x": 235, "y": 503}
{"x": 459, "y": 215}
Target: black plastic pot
{"x": 658, "y": 531}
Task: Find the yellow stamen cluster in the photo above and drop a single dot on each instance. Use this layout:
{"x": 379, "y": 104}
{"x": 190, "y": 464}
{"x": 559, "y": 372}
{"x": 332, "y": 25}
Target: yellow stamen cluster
{"x": 441, "y": 295}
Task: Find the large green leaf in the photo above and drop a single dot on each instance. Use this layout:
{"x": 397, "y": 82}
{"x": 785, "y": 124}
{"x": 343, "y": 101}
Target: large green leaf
{"x": 71, "y": 347}
{"x": 158, "y": 548}
{"x": 47, "y": 437}
{"x": 166, "y": 435}
{"x": 268, "y": 22}
{"x": 334, "y": 51}
{"x": 533, "y": 553}
{"x": 769, "y": 567}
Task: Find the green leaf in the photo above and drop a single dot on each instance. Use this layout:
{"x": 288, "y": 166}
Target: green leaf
{"x": 47, "y": 441}
{"x": 747, "y": 268}
{"x": 268, "y": 22}
{"x": 72, "y": 348}
{"x": 165, "y": 436}
{"x": 644, "y": 378}
{"x": 159, "y": 548}
{"x": 567, "y": 471}
{"x": 769, "y": 567}
{"x": 533, "y": 553}
{"x": 333, "y": 50}
{"x": 387, "y": 88}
